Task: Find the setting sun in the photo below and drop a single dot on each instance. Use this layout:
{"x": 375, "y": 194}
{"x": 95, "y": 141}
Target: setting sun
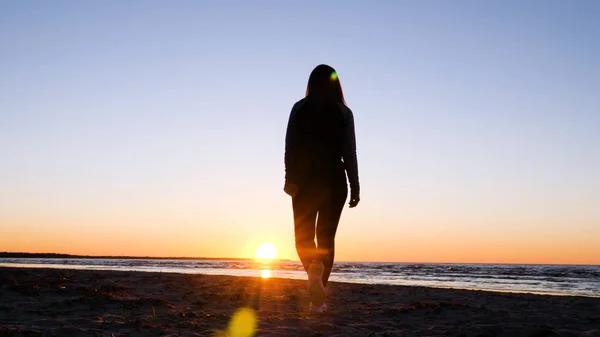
{"x": 266, "y": 251}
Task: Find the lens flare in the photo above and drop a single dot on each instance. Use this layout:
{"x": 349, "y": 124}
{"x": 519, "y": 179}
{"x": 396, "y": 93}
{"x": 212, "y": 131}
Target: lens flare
{"x": 333, "y": 76}
{"x": 243, "y": 323}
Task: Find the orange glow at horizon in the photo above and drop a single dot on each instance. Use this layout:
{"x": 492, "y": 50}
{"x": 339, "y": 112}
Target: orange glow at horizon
{"x": 400, "y": 245}
{"x": 433, "y": 251}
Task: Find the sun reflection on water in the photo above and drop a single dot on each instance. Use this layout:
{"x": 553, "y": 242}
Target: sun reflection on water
{"x": 265, "y": 273}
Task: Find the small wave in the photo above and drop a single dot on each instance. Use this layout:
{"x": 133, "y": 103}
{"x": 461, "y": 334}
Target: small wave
{"x": 567, "y": 280}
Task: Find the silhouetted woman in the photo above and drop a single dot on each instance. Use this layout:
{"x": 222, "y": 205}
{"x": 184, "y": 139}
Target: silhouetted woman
{"x": 320, "y": 149}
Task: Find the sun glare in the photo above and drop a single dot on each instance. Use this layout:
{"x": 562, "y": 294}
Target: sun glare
{"x": 265, "y": 273}
{"x": 266, "y": 251}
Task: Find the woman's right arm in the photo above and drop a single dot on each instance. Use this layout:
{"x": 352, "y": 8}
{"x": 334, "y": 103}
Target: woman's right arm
{"x": 291, "y": 148}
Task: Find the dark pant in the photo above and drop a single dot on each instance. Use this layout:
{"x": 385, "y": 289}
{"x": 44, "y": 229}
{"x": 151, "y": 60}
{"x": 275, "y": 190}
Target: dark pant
{"x": 317, "y": 208}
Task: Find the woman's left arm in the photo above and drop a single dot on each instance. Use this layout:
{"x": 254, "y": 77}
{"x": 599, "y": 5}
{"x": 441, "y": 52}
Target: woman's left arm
{"x": 349, "y": 155}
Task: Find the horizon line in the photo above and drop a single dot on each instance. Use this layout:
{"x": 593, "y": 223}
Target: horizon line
{"x": 6, "y": 254}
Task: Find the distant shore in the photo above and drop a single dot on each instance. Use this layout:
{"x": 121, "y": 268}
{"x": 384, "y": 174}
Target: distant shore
{"x": 45, "y": 302}
{"x": 69, "y": 256}
{"x": 23, "y": 255}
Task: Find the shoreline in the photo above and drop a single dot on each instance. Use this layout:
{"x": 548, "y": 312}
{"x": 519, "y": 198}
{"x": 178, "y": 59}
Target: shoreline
{"x": 192, "y": 272}
{"x": 23, "y": 255}
{"x": 70, "y": 302}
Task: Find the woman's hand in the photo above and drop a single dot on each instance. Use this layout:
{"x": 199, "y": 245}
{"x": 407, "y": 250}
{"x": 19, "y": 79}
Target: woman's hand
{"x": 290, "y": 189}
{"x": 354, "y": 200}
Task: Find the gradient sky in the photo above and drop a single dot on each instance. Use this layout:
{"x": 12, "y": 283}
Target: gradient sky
{"x": 157, "y": 128}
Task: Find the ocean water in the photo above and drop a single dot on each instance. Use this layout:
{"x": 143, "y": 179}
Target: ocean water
{"x": 582, "y": 280}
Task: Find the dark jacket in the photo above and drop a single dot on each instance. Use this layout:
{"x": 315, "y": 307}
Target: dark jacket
{"x": 320, "y": 142}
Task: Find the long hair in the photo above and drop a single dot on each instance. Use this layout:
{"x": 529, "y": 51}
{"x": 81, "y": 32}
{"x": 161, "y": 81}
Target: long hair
{"x": 324, "y": 85}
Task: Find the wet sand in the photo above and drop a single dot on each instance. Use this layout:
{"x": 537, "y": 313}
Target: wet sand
{"x": 55, "y": 302}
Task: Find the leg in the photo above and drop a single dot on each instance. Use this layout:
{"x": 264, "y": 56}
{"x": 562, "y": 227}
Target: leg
{"x": 329, "y": 218}
{"x": 305, "y": 214}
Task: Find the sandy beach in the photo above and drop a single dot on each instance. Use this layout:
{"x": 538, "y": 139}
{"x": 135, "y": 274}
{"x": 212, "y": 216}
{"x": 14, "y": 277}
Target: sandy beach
{"x": 54, "y": 302}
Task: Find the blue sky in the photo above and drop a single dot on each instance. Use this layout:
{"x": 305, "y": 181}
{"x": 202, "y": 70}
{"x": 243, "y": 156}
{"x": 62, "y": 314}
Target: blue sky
{"x": 475, "y": 120}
